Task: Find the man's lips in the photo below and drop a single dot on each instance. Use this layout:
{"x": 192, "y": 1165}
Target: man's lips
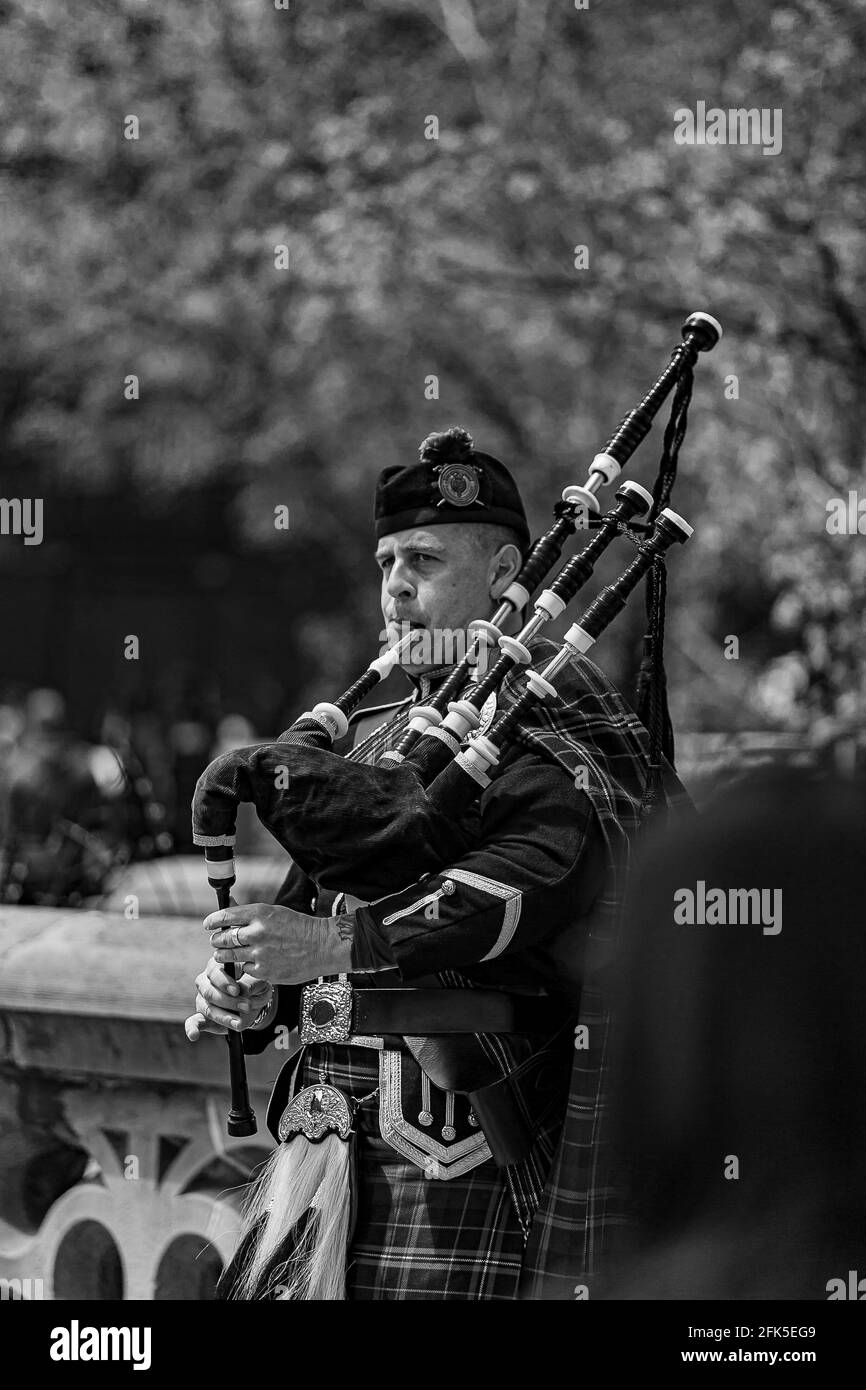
{"x": 398, "y": 630}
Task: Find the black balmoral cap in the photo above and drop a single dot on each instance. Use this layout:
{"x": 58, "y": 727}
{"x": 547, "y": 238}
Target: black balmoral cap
{"x": 451, "y": 483}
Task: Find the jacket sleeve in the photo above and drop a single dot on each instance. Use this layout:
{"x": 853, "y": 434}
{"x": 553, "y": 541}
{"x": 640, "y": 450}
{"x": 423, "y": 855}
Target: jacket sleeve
{"x": 539, "y": 861}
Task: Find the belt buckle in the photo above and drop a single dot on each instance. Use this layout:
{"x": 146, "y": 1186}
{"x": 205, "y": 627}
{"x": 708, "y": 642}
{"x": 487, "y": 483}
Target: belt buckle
{"x": 326, "y": 1012}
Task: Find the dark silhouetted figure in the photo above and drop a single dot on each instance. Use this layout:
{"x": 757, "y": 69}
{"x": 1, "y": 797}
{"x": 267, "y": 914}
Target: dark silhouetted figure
{"x": 740, "y": 1096}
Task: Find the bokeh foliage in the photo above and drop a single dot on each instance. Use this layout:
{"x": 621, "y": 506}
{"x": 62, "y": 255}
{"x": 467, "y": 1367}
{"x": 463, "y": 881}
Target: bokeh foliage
{"x": 411, "y": 257}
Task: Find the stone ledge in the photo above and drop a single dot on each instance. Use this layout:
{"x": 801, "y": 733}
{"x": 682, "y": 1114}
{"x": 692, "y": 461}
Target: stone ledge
{"x": 98, "y": 964}
{"x": 93, "y": 995}
{"x": 80, "y": 1048}
{"x": 117, "y": 1178}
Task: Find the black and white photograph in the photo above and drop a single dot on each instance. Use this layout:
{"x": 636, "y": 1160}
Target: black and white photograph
{"x": 433, "y": 672}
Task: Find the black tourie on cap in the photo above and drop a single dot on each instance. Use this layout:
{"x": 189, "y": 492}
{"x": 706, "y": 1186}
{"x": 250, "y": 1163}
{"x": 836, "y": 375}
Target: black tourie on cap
{"x": 451, "y": 483}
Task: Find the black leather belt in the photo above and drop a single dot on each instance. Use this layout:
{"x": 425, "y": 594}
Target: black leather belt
{"x": 334, "y": 1011}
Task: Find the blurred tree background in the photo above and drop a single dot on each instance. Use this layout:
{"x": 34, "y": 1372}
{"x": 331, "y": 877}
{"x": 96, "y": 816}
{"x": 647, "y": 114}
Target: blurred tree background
{"x": 411, "y": 257}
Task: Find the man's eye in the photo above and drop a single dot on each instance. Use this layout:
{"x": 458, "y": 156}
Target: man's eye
{"x": 416, "y": 557}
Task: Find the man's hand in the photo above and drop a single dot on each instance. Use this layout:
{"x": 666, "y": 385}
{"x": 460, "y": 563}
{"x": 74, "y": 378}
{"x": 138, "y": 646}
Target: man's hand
{"x": 275, "y": 943}
{"x": 222, "y": 1003}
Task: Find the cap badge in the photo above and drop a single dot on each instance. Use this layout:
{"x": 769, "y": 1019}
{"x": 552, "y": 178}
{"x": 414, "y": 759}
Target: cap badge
{"x": 458, "y": 483}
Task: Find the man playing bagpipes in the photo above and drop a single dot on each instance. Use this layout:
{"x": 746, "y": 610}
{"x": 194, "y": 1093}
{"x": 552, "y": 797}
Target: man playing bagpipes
{"x": 440, "y": 1132}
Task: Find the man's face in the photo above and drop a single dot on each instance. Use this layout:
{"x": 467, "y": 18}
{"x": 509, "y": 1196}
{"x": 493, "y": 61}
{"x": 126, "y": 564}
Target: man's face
{"x": 438, "y": 578}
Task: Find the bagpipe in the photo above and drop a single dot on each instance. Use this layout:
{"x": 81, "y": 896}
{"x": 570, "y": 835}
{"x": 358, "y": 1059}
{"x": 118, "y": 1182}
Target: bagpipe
{"x": 330, "y": 811}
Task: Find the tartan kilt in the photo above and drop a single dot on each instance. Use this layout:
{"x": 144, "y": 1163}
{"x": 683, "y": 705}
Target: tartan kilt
{"x": 416, "y": 1237}
{"x": 413, "y": 1237}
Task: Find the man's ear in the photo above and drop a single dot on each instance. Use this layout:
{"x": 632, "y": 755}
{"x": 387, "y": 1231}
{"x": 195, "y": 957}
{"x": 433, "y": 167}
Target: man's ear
{"x": 504, "y": 567}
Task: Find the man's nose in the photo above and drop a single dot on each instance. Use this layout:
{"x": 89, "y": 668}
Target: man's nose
{"x": 399, "y": 584}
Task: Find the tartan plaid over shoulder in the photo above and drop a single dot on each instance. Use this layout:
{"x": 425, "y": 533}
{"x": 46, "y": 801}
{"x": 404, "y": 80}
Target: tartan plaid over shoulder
{"x": 589, "y": 727}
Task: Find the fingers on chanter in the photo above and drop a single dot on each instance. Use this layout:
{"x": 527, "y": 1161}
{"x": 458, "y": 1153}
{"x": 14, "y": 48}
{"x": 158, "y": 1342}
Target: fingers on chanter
{"x": 232, "y": 916}
{"x": 254, "y": 985}
{"x": 219, "y": 979}
{"x": 214, "y": 1014}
